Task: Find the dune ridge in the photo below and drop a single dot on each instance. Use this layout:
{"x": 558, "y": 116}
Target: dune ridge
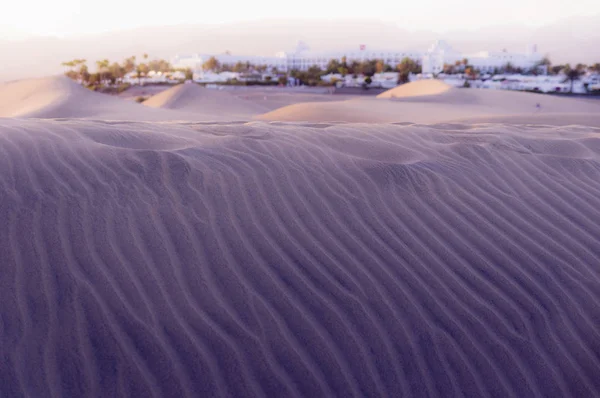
{"x": 59, "y": 97}
{"x": 215, "y": 104}
{"x": 432, "y": 101}
{"x": 264, "y": 259}
{"x": 419, "y": 88}
{"x": 34, "y": 97}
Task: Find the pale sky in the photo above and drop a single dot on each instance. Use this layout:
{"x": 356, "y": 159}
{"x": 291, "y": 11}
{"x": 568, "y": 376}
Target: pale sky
{"x": 77, "y": 17}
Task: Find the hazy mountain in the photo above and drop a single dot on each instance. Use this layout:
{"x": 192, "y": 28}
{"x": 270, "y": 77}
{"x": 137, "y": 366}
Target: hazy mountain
{"x": 570, "y": 40}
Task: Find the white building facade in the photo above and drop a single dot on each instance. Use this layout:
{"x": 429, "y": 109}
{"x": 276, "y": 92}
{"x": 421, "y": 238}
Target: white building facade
{"x": 440, "y": 54}
{"x": 432, "y": 60}
{"x": 195, "y": 61}
{"x": 299, "y": 59}
{"x": 304, "y": 60}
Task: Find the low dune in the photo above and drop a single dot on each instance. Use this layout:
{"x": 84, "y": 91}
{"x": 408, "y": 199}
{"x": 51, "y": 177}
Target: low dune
{"x": 288, "y": 260}
{"x": 274, "y": 98}
{"x": 60, "y": 97}
{"x": 214, "y": 104}
{"x": 368, "y": 110}
{"x": 427, "y": 106}
{"x": 32, "y": 97}
{"x": 417, "y": 89}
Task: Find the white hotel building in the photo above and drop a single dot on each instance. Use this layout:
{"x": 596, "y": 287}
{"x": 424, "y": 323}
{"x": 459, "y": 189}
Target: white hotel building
{"x": 300, "y": 59}
{"x": 440, "y": 53}
{"x": 432, "y": 60}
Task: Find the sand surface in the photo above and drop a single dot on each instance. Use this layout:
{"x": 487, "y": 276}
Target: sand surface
{"x": 278, "y": 259}
{"x": 60, "y": 97}
{"x": 271, "y": 99}
{"x": 435, "y": 102}
{"x": 211, "y": 104}
{"x": 145, "y": 91}
{"x": 420, "y": 88}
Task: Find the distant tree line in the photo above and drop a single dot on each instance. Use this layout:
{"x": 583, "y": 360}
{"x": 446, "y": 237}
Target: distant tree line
{"x": 312, "y": 76}
{"x": 571, "y": 73}
{"x": 113, "y": 72}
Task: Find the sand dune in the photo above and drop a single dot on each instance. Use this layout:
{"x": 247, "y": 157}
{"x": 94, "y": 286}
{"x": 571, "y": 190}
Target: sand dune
{"x": 274, "y": 99}
{"x": 417, "y": 89}
{"x": 351, "y": 260}
{"x": 60, "y": 97}
{"x": 31, "y": 97}
{"x": 369, "y": 110}
{"x": 434, "y": 102}
{"x": 215, "y": 104}
{"x": 419, "y": 102}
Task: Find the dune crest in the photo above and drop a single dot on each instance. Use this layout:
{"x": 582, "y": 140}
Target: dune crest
{"x": 34, "y": 97}
{"x": 213, "y": 103}
{"x": 158, "y": 259}
{"x": 60, "y": 97}
{"x": 436, "y": 102}
{"x": 417, "y": 89}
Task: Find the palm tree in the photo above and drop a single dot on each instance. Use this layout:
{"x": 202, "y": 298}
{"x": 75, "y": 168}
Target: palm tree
{"x": 448, "y": 69}
{"x": 556, "y": 69}
{"x": 69, "y": 72}
{"x": 142, "y": 70}
{"x": 354, "y": 67}
{"x": 333, "y": 65}
{"x": 72, "y": 73}
{"x": 544, "y": 64}
{"x": 573, "y": 74}
{"x": 83, "y": 70}
{"x": 509, "y": 68}
{"x": 102, "y": 66}
{"x": 239, "y": 67}
{"x": 129, "y": 64}
{"x": 116, "y": 72}
{"x": 471, "y": 72}
{"x": 70, "y": 65}
{"x": 84, "y": 74}
{"x": 405, "y": 68}
{"x": 261, "y": 68}
{"x": 212, "y": 64}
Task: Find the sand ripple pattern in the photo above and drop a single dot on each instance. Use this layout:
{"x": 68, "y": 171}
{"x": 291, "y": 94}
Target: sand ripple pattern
{"x": 274, "y": 260}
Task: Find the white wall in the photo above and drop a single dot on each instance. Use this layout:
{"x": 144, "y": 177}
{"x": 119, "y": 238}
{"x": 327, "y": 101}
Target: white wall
{"x": 441, "y": 53}
{"x": 300, "y": 61}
